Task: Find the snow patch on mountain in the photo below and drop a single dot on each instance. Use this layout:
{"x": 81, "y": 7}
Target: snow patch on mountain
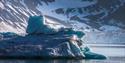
{"x": 108, "y": 28}
{"x": 2, "y": 5}
{"x": 4, "y": 27}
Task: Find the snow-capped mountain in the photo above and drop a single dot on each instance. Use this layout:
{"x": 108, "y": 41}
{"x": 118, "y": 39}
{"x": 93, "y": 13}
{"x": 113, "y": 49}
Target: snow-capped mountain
{"x": 99, "y": 13}
{"x": 88, "y": 15}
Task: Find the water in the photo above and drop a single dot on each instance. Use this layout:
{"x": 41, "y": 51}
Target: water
{"x": 111, "y": 60}
{"x": 115, "y": 54}
{"x": 110, "y": 50}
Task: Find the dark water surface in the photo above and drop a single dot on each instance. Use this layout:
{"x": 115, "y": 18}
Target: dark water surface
{"x": 109, "y": 60}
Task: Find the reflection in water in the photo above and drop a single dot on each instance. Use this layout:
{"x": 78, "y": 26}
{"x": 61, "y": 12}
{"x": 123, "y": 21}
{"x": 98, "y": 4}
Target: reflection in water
{"x": 110, "y": 60}
{"x": 41, "y": 61}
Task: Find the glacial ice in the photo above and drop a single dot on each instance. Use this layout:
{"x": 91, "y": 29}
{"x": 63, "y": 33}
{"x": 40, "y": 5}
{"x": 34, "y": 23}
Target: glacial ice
{"x": 39, "y": 45}
{"x": 41, "y": 40}
{"x": 36, "y": 25}
{"x": 44, "y": 42}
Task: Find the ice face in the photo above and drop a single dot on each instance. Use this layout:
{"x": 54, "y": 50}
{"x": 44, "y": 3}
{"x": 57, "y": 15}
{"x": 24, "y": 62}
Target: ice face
{"x": 35, "y": 24}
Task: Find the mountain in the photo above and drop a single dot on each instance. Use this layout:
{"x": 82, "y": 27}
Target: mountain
{"x": 101, "y": 12}
{"x": 101, "y": 16}
{"x": 94, "y": 13}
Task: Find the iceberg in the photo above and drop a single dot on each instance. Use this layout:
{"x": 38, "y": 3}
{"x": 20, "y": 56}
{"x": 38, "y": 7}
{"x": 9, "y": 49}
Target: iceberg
{"x": 36, "y": 25}
{"x": 42, "y": 41}
{"x": 43, "y": 46}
